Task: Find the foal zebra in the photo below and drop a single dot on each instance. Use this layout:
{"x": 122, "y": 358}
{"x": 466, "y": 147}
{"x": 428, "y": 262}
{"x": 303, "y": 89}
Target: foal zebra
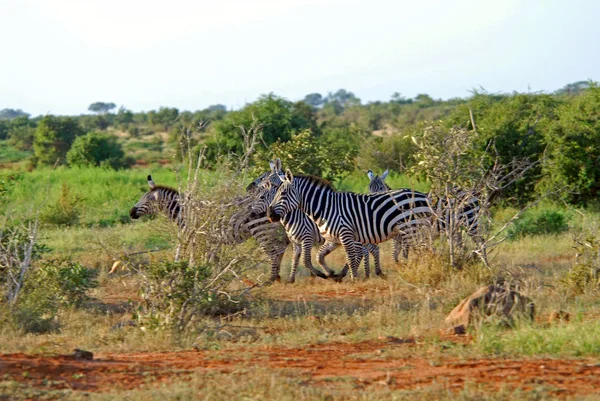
{"x": 349, "y": 218}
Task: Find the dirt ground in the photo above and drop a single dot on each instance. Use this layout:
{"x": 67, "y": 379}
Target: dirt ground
{"x": 364, "y": 363}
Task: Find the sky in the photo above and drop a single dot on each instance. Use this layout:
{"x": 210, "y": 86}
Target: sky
{"x": 59, "y": 56}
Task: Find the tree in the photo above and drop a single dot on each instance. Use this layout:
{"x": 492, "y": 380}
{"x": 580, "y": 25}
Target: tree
{"x": 165, "y": 117}
{"x": 53, "y": 138}
{"x": 343, "y": 97}
{"x": 573, "y": 140}
{"x": 217, "y": 108}
{"x": 101, "y": 107}
{"x": 398, "y": 98}
{"x": 279, "y": 117}
{"x": 124, "y": 116}
{"x": 97, "y": 149}
{"x": 574, "y": 88}
{"x": 314, "y": 99}
{"x": 9, "y": 114}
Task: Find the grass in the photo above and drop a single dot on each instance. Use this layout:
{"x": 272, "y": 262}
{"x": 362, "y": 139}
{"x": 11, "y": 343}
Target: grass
{"x": 411, "y": 302}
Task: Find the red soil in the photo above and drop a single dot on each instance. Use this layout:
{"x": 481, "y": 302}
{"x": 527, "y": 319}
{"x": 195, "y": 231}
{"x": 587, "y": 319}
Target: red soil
{"x": 365, "y": 362}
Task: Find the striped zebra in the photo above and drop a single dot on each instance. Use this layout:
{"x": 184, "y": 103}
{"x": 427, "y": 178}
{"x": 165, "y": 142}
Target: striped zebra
{"x": 463, "y": 204}
{"x": 302, "y": 232}
{"x": 270, "y": 236}
{"x": 158, "y": 199}
{"x": 376, "y": 185}
{"x": 349, "y": 218}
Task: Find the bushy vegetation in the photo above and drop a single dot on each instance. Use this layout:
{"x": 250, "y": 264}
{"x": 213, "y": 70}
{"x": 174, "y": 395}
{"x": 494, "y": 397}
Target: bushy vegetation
{"x": 97, "y": 149}
{"x": 539, "y": 222}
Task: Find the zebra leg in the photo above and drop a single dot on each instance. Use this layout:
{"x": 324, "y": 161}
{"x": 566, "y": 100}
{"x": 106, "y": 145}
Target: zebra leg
{"x": 374, "y": 250}
{"x": 275, "y": 267}
{"x": 307, "y": 246}
{"x": 297, "y": 251}
{"x": 354, "y": 252}
{"x": 397, "y": 246}
{"x": 365, "y": 255}
{"x": 325, "y": 250}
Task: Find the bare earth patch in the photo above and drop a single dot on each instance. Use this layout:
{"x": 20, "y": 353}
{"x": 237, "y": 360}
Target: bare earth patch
{"x": 364, "y": 363}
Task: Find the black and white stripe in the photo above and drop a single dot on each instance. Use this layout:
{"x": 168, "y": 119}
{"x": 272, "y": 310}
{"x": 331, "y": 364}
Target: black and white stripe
{"x": 349, "y": 218}
{"x": 159, "y": 199}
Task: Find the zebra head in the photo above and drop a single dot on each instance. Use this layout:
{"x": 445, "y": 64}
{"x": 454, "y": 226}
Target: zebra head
{"x": 257, "y": 186}
{"x": 157, "y": 199}
{"x": 260, "y": 206}
{"x": 377, "y": 183}
{"x": 286, "y": 200}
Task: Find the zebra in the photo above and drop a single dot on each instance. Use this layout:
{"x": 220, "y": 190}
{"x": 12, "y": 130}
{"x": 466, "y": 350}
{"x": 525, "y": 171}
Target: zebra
{"x": 158, "y": 199}
{"x": 301, "y": 230}
{"x": 376, "y": 185}
{"x": 466, "y": 212}
{"x": 270, "y": 236}
{"x": 352, "y": 219}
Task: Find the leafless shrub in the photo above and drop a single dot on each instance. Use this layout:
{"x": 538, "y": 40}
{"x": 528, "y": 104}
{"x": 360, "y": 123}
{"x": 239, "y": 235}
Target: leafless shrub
{"x": 207, "y": 276}
{"x": 464, "y": 181}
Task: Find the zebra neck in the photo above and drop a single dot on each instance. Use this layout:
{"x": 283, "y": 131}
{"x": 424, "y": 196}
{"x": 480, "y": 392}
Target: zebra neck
{"x": 316, "y": 199}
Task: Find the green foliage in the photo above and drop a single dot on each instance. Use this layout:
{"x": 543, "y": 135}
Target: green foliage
{"x": 65, "y": 211}
{"x": 66, "y": 281}
{"x": 165, "y": 117}
{"x": 515, "y": 125}
{"x": 330, "y": 156}
{"x": 97, "y": 149}
{"x": 9, "y": 154}
{"x": 172, "y": 289}
{"x": 574, "y": 147}
{"x": 53, "y": 138}
{"x": 20, "y": 132}
{"x": 394, "y": 152}
{"x": 544, "y": 222}
{"x": 54, "y": 284}
{"x": 280, "y": 118}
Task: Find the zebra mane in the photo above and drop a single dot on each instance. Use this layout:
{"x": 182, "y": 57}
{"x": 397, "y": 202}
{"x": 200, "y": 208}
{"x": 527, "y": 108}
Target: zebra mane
{"x": 317, "y": 180}
{"x": 163, "y": 187}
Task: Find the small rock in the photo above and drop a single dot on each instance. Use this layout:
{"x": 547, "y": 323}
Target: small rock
{"x": 558, "y": 316}
{"x": 82, "y": 354}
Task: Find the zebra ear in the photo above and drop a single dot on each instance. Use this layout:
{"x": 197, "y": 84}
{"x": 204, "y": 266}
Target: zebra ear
{"x": 289, "y": 176}
{"x": 278, "y": 166}
{"x": 151, "y": 182}
{"x": 370, "y": 175}
{"x": 385, "y": 174}
{"x": 272, "y": 166}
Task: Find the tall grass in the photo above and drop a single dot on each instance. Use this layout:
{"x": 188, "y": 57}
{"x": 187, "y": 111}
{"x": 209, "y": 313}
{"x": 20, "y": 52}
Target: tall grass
{"x": 107, "y": 195}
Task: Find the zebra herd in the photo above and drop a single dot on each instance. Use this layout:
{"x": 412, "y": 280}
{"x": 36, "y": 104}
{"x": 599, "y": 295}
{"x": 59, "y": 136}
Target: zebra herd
{"x": 312, "y": 212}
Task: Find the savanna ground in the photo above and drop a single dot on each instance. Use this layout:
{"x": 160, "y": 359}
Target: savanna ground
{"x": 384, "y": 338}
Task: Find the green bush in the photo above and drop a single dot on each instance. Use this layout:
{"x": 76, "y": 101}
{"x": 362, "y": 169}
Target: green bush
{"x": 98, "y": 149}
{"x": 172, "y": 290}
{"x": 585, "y": 274}
{"x": 66, "y": 281}
{"x": 540, "y": 223}
{"x": 52, "y": 284}
{"x": 53, "y": 138}
{"x": 65, "y": 211}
